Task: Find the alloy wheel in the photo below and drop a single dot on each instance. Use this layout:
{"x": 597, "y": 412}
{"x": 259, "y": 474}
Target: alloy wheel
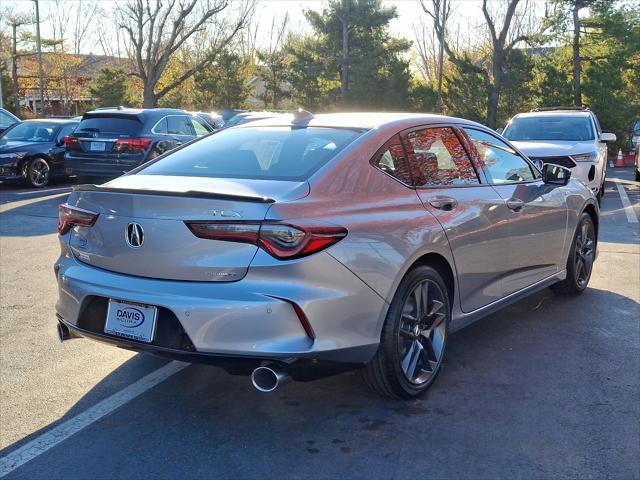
{"x": 39, "y": 172}
{"x": 422, "y": 332}
{"x": 584, "y": 253}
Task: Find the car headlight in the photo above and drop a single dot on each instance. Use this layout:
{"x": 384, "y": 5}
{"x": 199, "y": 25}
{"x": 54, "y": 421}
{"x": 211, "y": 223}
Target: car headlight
{"x": 585, "y": 157}
{"x": 17, "y": 155}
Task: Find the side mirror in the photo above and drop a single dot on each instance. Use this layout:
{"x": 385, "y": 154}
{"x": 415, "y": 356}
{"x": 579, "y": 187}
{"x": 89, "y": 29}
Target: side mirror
{"x": 608, "y": 137}
{"x": 555, "y": 174}
{"x": 500, "y": 130}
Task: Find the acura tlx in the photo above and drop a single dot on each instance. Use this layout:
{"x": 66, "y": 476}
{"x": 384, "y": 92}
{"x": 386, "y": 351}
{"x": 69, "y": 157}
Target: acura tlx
{"x": 302, "y": 246}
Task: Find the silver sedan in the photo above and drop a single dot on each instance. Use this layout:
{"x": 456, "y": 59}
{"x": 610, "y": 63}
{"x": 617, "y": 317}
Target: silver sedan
{"x": 302, "y": 246}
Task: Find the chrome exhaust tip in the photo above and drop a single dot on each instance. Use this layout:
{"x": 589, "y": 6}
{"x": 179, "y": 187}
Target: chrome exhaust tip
{"x": 267, "y": 379}
{"x": 63, "y": 332}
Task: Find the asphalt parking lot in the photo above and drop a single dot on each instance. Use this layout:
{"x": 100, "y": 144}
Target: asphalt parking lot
{"x": 547, "y": 388}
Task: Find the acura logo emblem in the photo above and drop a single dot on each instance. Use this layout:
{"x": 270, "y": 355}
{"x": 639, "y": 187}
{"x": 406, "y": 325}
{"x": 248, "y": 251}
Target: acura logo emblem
{"x": 135, "y": 235}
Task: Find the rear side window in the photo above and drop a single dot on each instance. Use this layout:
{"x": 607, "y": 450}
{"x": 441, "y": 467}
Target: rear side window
{"x": 392, "y": 161}
{"x": 199, "y": 127}
{"x": 270, "y": 153}
{"x": 436, "y": 157}
{"x": 179, "y": 125}
{"x": 105, "y": 126}
{"x": 64, "y": 131}
{"x": 501, "y": 162}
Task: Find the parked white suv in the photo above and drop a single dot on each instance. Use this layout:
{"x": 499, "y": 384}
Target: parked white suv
{"x": 564, "y": 136}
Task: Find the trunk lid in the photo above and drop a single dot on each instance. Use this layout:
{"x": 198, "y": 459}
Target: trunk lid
{"x": 160, "y": 205}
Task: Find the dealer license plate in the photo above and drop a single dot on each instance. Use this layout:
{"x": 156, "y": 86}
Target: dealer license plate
{"x": 131, "y": 320}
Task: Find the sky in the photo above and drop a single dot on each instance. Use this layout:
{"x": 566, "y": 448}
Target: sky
{"x": 468, "y": 12}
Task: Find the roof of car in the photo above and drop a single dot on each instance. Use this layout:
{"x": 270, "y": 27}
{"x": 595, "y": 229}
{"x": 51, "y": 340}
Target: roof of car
{"x": 50, "y": 120}
{"x": 137, "y": 111}
{"x": 546, "y": 113}
{"x": 364, "y": 120}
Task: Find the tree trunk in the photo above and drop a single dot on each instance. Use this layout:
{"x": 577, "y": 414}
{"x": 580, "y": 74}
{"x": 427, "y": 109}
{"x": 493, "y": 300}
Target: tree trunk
{"x": 344, "y": 72}
{"x": 440, "y": 66}
{"x": 493, "y": 98}
{"x": 577, "y": 66}
{"x": 14, "y": 72}
{"x": 149, "y": 99}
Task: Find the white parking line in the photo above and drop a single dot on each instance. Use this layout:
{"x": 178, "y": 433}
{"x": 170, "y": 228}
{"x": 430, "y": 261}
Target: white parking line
{"x": 628, "y": 208}
{"x": 50, "y": 439}
{"x": 31, "y": 192}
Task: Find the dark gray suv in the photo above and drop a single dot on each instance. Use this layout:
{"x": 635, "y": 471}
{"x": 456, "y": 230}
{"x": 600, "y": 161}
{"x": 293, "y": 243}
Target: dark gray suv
{"x": 110, "y": 142}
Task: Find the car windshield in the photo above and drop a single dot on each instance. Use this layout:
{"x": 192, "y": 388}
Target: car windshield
{"x": 31, "y": 132}
{"x": 270, "y": 153}
{"x": 550, "y": 127}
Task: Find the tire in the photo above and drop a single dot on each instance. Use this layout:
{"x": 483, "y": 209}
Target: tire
{"x": 580, "y": 261}
{"x": 37, "y": 173}
{"x": 411, "y": 352}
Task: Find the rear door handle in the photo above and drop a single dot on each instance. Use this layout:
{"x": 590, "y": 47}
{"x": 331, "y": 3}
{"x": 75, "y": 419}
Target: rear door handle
{"x": 515, "y": 204}
{"x": 443, "y": 203}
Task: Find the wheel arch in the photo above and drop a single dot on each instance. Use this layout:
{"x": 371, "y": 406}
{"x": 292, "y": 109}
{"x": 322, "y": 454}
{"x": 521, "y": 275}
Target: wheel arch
{"x": 592, "y": 210}
{"x": 442, "y": 266}
{"x": 27, "y": 158}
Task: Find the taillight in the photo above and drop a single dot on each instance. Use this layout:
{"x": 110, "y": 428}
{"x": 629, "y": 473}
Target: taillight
{"x": 70, "y": 216}
{"x": 280, "y": 240}
{"x": 132, "y": 143}
{"x": 71, "y": 142}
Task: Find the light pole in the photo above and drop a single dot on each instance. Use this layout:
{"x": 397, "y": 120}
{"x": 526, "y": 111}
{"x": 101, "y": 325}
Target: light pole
{"x": 39, "y": 49}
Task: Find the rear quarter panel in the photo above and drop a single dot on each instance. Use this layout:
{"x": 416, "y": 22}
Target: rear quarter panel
{"x": 389, "y": 228}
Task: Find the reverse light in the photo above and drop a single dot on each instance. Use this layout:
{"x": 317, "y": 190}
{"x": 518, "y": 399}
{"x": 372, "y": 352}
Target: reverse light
{"x": 585, "y": 157}
{"x": 281, "y": 240}
{"x": 69, "y": 216}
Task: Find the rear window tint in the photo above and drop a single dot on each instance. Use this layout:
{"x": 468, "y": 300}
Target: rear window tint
{"x": 270, "y": 153}
{"x": 109, "y": 125}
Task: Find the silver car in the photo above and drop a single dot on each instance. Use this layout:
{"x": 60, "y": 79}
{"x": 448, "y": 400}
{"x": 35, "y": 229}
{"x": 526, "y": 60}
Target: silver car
{"x": 302, "y": 246}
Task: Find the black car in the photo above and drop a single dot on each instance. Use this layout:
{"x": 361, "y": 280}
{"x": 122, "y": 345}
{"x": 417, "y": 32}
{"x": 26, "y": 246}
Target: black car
{"x": 7, "y": 119}
{"x": 110, "y": 142}
{"x": 33, "y": 151}
{"x": 247, "y": 117}
{"x": 214, "y": 120}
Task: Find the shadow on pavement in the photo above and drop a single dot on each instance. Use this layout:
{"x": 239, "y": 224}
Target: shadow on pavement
{"x": 540, "y": 389}
{"x": 33, "y": 218}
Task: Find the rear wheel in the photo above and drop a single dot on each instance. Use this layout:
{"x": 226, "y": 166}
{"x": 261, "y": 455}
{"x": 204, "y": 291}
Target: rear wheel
{"x": 414, "y": 337}
{"x": 581, "y": 257}
{"x": 37, "y": 173}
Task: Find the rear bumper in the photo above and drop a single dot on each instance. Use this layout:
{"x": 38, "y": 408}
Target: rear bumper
{"x": 252, "y": 318}
{"x": 300, "y": 369}
{"x": 98, "y": 167}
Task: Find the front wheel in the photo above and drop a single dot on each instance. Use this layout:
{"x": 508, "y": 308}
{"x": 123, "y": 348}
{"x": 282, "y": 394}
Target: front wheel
{"x": 37, "y": 173}
{"x": 414, "y": 337}
{"x": 581, "y": 257}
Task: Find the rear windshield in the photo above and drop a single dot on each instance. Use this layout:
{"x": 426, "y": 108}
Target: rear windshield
{"x": 117, "y": 126}
{"x": 270, "y": 153}
{"x": 551, "y": 127}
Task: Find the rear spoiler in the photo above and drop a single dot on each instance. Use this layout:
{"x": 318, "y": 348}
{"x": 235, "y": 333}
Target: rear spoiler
{"x": 188, "y": 193}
